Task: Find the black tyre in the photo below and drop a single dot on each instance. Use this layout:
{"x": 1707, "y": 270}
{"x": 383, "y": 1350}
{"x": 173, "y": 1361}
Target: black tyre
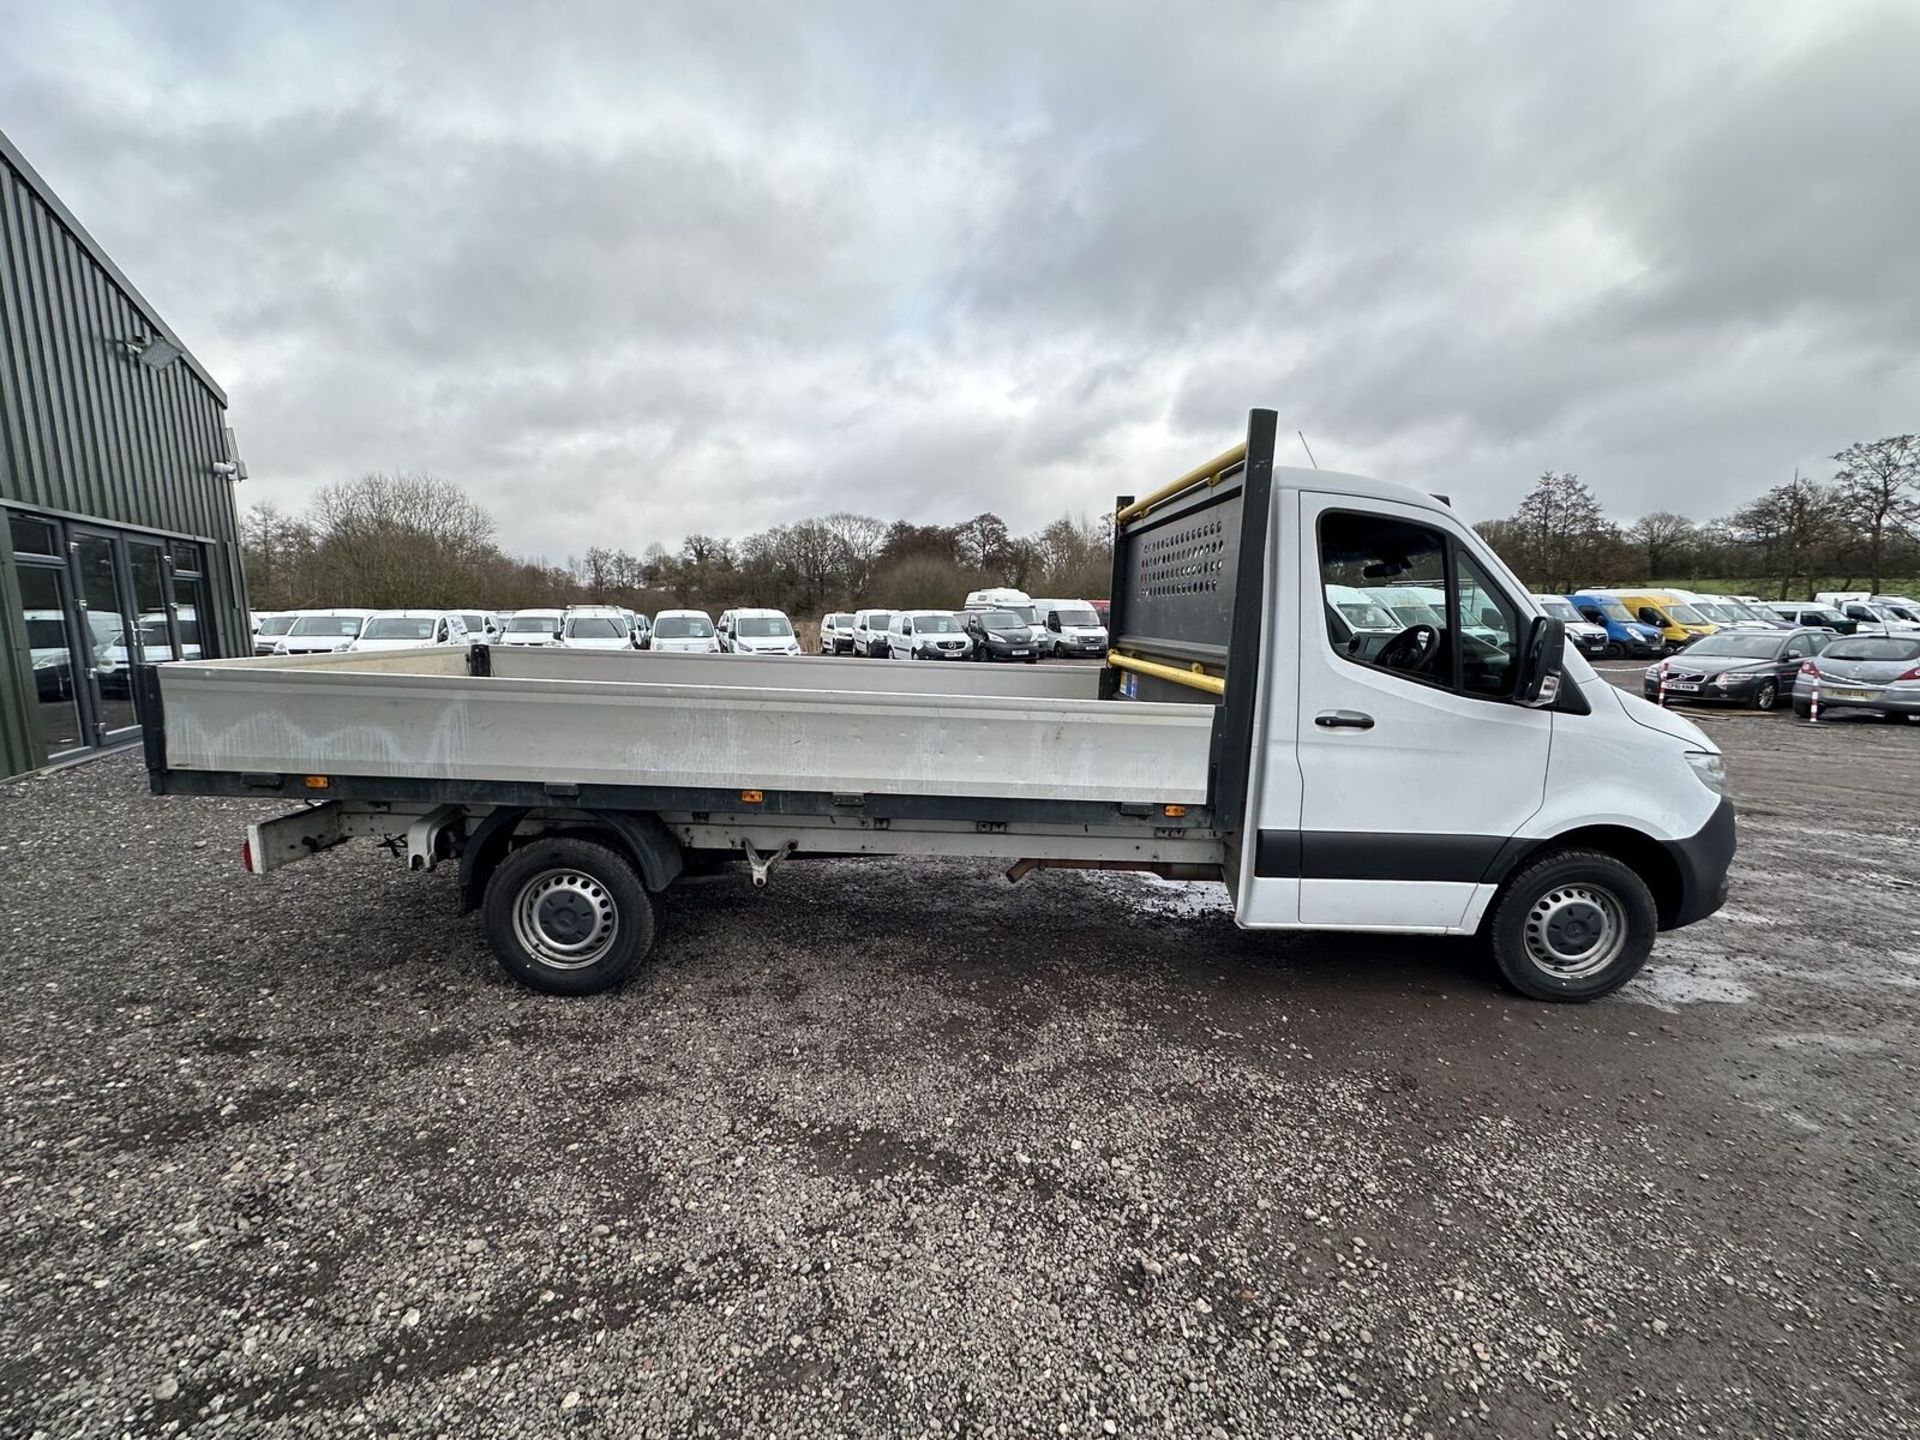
{"x": 568, "y": 917}
{"x": 1573, "y": 925}
{"x": 1615, "y": 650}
{"x": 1767, "y": 695}
{"x": 1802, "y": 710}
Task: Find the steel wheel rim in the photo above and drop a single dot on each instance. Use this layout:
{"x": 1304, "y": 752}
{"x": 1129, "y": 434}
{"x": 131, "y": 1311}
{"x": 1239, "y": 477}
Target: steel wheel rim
{"x": 1575, "y": 932}
{"x": 565, "y": 919}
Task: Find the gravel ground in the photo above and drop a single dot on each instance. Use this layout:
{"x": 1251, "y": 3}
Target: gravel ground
{"x": 899, "y": 1151}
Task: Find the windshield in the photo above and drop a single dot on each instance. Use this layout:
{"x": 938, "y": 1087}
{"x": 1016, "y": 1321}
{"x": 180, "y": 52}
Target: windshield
{"x": 1686, "y": 614}
{"x": 1746, "y": 647}
{"x": 594, "y": 627}
{"x": 533, "y": 625}
{"x": 683, "y": 627}
{"x": 837, "y": 621}
{"x": 276, "y": 624}
{"x": 1719, "y": 614}
{"x": 1613, "y": 610}
{"x": 1561, "y": 610}
{"x": 348, "y": 625}
{"x": 1002, "y": 620}
{"x": 473, "y": 621}
{"x": 1079, "y": 616}
{"x": 1899, "y": 612}
{"x": 879, "y": 619}
{"x": 1875, "y": 647}
{"x": 398, "y": 627}
{"x": 935, "y": 624}
{"x": 1415, "y": 612}
{"x": 763, "y": 627}
{"x": 1365, "y": 616}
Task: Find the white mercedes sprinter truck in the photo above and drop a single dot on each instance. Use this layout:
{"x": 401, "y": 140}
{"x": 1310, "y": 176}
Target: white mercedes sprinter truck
{"x": 1469, "y": 776}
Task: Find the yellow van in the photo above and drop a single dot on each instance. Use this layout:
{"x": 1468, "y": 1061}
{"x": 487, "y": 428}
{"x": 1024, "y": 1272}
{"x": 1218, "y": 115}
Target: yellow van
{"x": 1678, "y": 622}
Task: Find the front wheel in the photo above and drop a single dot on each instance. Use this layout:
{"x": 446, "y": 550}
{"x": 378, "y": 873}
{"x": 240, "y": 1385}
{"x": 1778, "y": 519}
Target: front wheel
{"x": 568, "y": 917}
{"x": 1615, "y": 650}
{"x": 1573, "y": 925}
{"x": 1767, "y": 695}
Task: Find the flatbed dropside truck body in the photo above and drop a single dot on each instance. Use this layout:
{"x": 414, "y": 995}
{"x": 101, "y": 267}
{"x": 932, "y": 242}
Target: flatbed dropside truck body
{"x": 1470, "y": 777}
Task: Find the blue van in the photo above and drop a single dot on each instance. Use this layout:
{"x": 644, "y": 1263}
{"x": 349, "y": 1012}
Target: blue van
{"x": 1626, "y": 636}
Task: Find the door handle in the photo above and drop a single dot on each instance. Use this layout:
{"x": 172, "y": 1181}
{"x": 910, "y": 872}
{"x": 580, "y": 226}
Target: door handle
{"x": 1343, "y": 720}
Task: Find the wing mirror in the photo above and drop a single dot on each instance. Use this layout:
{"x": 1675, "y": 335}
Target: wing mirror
{"x": 1542, "y": 663}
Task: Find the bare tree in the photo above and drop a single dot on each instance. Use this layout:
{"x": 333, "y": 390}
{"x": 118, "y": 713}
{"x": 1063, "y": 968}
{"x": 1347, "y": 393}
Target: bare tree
{"x": 1666, "y": 542}
{"x": 1877, "y": 492}
{"x": 1563, "y": 534}
{"x": 860, "y": 539}
{"x": 1787, "y": 527}
{"x": 983, "y": 540}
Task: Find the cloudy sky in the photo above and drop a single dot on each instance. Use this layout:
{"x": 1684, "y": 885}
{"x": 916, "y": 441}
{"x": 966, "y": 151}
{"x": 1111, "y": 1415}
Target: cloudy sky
{"x": 626, "y": 271}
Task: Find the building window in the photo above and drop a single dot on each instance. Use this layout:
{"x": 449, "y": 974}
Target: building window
{"x": 31, "y": 536}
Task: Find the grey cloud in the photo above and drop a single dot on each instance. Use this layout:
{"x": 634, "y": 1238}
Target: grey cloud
{"x": 627, "y": 272}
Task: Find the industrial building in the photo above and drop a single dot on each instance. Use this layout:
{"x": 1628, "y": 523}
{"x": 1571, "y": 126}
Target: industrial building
{"x": 118, "y": 526}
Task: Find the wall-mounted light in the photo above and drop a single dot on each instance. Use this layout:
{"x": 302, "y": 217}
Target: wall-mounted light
{"x": 156, "y": 352}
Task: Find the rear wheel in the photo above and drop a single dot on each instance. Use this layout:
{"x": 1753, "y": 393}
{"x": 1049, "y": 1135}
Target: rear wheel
{"x": 1573, "y": 925}
{"x": 568, "y": 917}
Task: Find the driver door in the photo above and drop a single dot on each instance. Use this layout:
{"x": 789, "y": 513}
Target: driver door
{"x": 1413, "y": 773}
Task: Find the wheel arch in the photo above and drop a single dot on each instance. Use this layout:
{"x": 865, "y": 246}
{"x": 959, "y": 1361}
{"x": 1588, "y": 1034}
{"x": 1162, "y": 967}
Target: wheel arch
{"x": 1645, "y": 856}
{"x": 642, "y": 838}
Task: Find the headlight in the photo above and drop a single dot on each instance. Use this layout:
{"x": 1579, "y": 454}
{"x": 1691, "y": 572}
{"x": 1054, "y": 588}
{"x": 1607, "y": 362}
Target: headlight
{"x": 1711, "y": 770}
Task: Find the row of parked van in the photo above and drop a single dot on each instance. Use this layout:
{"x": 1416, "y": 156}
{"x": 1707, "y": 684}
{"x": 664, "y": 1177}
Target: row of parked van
{"x": 577, "y": 627}
{"x": 995, "y": 624}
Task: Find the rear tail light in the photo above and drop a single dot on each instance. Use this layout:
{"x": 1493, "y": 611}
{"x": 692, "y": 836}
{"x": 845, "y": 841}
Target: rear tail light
{"x": 1807, "y": 667}
{"x": 1913, "y": 674}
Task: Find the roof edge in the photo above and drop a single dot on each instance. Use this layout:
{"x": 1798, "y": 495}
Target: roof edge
{"x": 10, "y": 153}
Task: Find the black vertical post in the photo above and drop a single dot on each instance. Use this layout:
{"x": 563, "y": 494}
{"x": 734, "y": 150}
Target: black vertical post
{"x": 1245, "y": 632}
{"x": 1116, "y": 600}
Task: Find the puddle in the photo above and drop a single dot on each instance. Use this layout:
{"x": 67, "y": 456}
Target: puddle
{"x": 1164, "y": 897}
{"x": 1695, "y": 975}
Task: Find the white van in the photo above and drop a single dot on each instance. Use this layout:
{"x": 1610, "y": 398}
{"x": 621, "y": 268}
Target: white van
{"x": 688, "y": 632}
{"x": 533, "y": 627}
{"x": 870, "y": 633}
{"x": 272, "y": 629}
{"x": 407, "y": 629}
{"x": 927, "y": 635}
{"x": 597, "y": 627}
{"x": 321, "y": 632}
{"x": 482, "y": 625}
{"x": 1018, "y": 601}
{"x": 761, "y": 632}
{"x": 1070, "y": 627}
{"x": 1872, "y": 619}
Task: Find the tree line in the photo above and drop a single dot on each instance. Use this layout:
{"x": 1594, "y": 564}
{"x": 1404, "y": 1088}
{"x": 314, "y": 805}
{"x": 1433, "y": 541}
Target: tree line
{"x": 392, "y": 541}
{"x": 1857, "y": 530}
{"x": 399, "y": 541}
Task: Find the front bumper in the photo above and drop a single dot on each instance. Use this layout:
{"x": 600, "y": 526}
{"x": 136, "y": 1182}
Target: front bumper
{"x": 1702, "y": 863}
{"x": 1737, "y": 691}
{"x": 929, "y": 652}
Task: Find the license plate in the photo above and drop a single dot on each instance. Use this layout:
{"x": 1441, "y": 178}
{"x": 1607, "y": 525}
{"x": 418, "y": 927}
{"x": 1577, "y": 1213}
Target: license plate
{"x": 1018, "y": 653}
{"x": 1837, "y": 693}
{"x": 1683, "y": 685}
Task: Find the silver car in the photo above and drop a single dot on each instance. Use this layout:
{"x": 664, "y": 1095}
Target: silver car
{"x": 1875, "y": 674}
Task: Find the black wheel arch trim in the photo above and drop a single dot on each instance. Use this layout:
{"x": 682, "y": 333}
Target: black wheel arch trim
{"x": 1688, "y": 876}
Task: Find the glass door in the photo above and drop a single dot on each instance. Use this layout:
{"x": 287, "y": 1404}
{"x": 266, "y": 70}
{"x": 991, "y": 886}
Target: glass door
{"x": 59, "y": 666}
{"x": 101, "y": 583}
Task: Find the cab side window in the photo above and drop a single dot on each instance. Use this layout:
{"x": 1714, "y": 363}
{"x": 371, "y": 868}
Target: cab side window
{"x": 1403, "y": 598}
{"x": 1489, "y": 631}
{"x": 1383, "y": 589}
